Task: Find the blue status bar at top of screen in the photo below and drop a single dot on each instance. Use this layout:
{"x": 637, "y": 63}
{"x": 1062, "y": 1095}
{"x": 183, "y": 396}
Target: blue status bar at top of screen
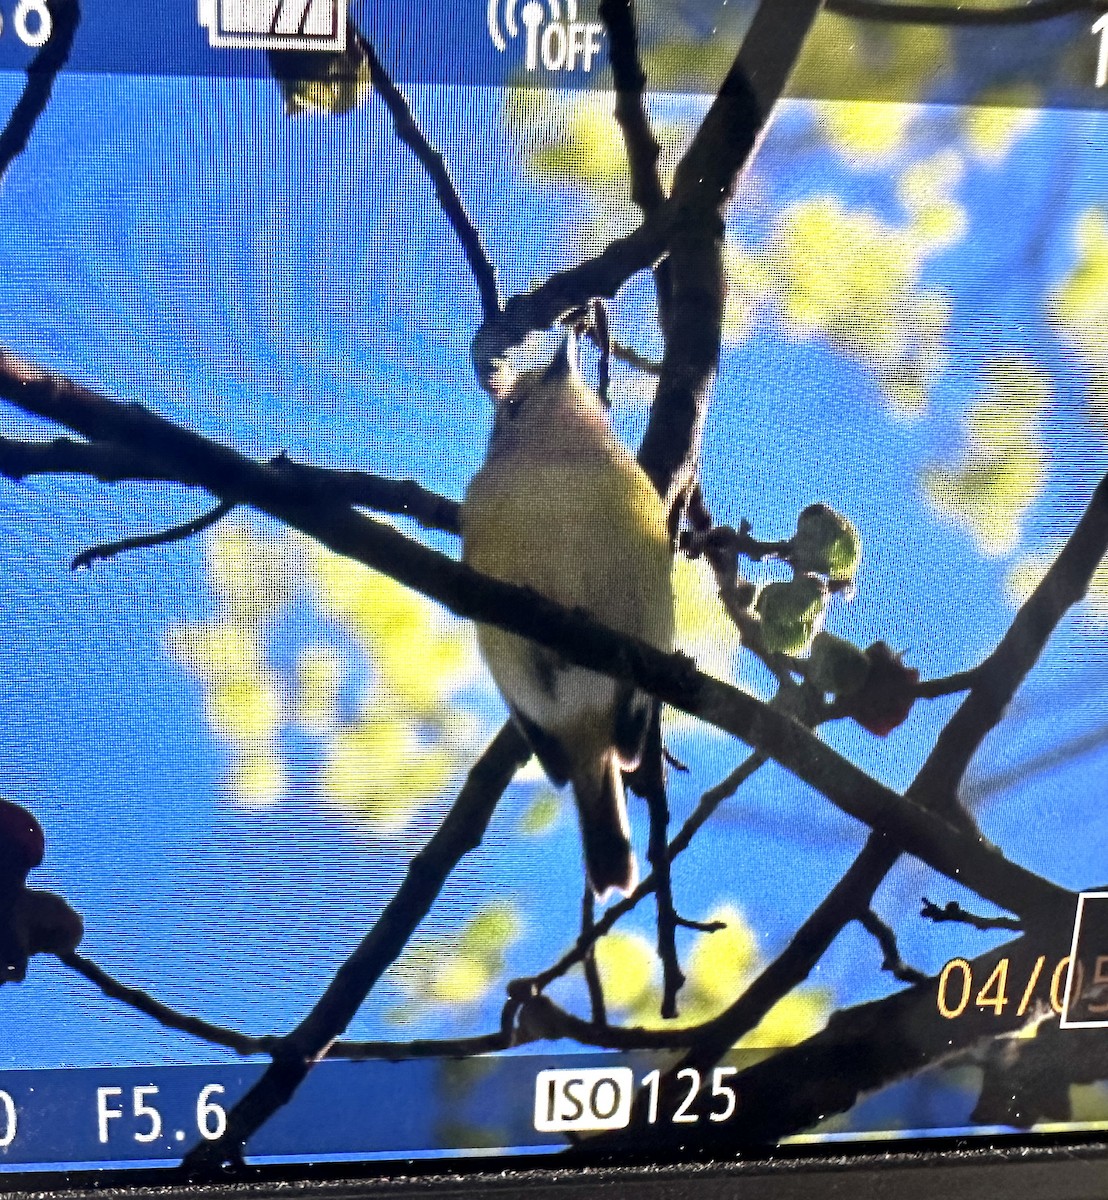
{"x": 1058, "y": 62}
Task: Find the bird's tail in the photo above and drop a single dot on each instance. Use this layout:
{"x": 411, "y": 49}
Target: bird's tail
{"x": 602, "y": 810}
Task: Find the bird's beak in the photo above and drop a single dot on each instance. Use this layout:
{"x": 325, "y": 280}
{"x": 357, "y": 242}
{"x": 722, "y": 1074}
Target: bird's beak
{"x": 565, "y": 361}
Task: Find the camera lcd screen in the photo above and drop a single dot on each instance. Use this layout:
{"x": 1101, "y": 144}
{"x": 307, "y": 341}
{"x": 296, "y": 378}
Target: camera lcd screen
{"x": 552, "y": 588}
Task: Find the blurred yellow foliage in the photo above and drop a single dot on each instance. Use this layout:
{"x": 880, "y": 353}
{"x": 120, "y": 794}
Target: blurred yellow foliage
{"x": 865, "y": 129}
{"x": 853, "y": 279}
{"x": 257, "y": 776}
{"x": 590, "y": 150}
{"x": 244, "y": 708}
{"x": 420, "y": 654}
{"x": 542, "y": 815}
{"x": 319, "y": 671}
{"x": 702, "y": 627}
{"x": 381, "y": 769}
{"x": 869, "y": 61}
{"x": 718, "y": 968}
{"x": 216, "y": 651}
{"x": 404, "y": 743}
{"x": 925, "y": 188}
{"x": 626, "y": 962}
{"x": 999, "y": 119}
{"x": 250, "y": 572}
{"x": 462, "y": 968}
{"x": 1003, "y": 464}
{"x": 1079, "y": 306}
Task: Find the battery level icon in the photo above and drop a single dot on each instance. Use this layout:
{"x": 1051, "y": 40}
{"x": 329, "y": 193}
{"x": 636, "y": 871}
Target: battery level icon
{"x": 275, "y": 24}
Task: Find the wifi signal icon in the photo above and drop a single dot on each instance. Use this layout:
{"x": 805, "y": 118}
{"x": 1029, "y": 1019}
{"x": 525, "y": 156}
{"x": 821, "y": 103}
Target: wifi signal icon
{"x": 557, "y": 40}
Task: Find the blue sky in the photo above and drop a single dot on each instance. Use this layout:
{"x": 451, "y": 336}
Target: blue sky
{"x": 290, "y": 285}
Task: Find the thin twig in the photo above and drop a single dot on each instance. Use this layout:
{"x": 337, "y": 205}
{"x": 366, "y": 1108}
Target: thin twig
{"x": 708, "y": 804}
{"x": 651, "y": 785}
{"x": 642, "y": 146}
{"x": 592, "y": 971}
{"x": 632, "y": 357}
{"x": 949, "y": 685}
{"x": 486, "y": 1043}
{"x": 886, "y": 939}
{"x": 702, "y": 926}
{"x": 952, "y": 911}
{"x": 166, "y": 1016}
{"x": 460, "y": 832}
{"x": 42, "y": 72}
{"x": 177, "y": 533}
{"x": 582, "y": 641}
{"x": 432, "y": 161}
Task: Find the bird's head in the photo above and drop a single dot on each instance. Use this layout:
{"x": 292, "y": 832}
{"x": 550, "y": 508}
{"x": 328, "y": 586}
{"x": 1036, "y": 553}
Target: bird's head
{"x": 548, "y": 410}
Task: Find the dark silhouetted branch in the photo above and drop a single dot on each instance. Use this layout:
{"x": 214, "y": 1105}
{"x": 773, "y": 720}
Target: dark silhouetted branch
{"x": 589, "y": 964}
{"x": 178, "y": 533}
{"x": 629, "y": 77}
{"x": 168, "y": 1017}
{"x": 949, "y": 685}
{"x": 434, "y": 164}
{"x": 1000, "y": 675}
{"x": 1066, "y": 581}
{"x": 703, "y": 184}
{"x": 861, "y": 1050}
{"x": 952, "y": 911}
{"x": 672, "y": 678}
{"x": 460, "y": 832}
{"x": 886, "y": 939}
{"x": 41, "y": 75}
{"x": 399, "y": 497}
{"x": 105, "y": 461}
{"x": 110, "y": 462}
{"x": 643, "y": 150}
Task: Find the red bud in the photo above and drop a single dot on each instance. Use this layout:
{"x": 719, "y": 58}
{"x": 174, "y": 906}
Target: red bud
{"x": 888, "y": 695}
{"x": 22, "y": 844}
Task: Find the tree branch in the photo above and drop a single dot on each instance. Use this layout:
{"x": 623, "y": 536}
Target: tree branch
{"x": 852, "y": 896}
{"x": 434, "y": 164}
{"x": 110, "y": 462}
{"x": 41, "y": 74}
{"x": 1000, "y": 675}
{"x": 957, "y": 853}
{"x": 178, "y": 533}
{"x": 166, "y": 1016}
{"x": 591, "y": 969}
{"x": 953, "y": 911}
{"x": 861, "y": 1050}
{"x": 295, "y": 1054}
{"x": 703, "y": 184}
{"x": 885, "y": 938}
{"x": 709, "y": 802}
{"x": 643, "y": 150}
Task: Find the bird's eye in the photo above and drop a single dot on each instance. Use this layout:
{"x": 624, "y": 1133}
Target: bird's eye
{"x": 513, "y": 407}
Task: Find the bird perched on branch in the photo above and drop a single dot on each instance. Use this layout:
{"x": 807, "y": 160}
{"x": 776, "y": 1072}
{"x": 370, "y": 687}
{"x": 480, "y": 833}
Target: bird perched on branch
{"x": 561, "y": 506}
